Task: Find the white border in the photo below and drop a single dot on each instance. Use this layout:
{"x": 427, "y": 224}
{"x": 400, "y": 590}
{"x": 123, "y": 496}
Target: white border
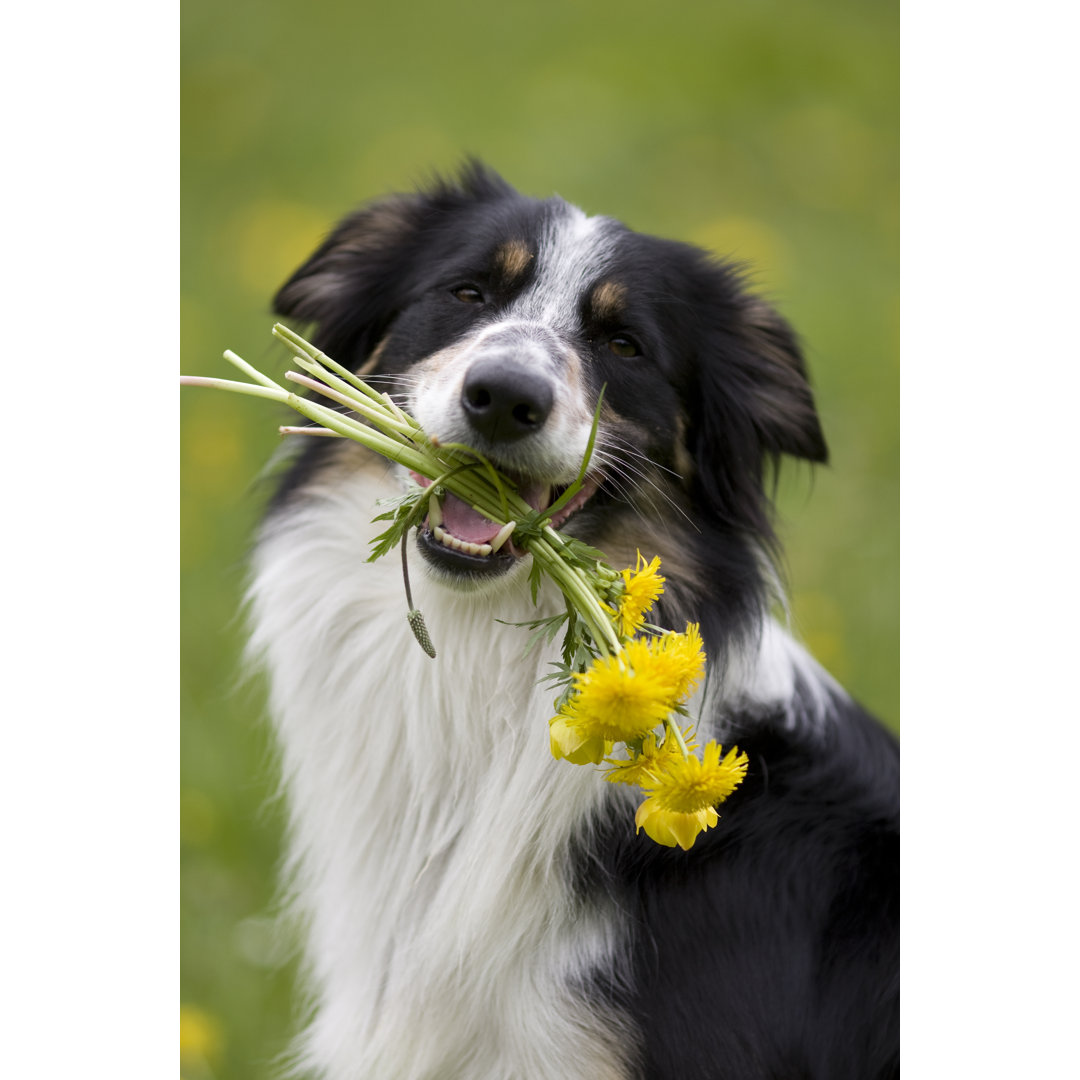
{"x": 90, "y": 754}
{"x": 989, "y": 410}
{"x": 989, "y": 403}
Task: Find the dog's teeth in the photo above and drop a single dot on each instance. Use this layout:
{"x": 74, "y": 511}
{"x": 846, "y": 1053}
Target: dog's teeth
{"x": 450, "y": 541}
{"x": 434, "y": 511}
{"x": 503, "y": 535}
{"x": 445, "y": 538}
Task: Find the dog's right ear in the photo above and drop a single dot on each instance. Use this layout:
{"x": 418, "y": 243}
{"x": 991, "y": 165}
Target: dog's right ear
{"x": 357, "y": 281}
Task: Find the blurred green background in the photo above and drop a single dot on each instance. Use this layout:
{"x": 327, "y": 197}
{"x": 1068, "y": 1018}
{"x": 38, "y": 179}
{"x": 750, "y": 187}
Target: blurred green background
{"x": 766, "y": 129}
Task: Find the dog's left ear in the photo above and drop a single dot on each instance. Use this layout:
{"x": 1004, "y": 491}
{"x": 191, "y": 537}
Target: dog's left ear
{"x": 751, "y": 403}
{"x": 781, "y": 402}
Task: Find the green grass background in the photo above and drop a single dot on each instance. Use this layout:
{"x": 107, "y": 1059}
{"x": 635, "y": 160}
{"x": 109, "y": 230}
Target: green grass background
{"x": 764, "y": 129}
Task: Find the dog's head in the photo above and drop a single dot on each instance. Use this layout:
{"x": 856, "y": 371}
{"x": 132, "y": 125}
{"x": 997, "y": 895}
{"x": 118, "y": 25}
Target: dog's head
{"x": 498, "y": 319}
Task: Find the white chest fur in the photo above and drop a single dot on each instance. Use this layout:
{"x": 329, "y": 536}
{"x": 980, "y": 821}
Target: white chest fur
{"x": 429, "y": 822}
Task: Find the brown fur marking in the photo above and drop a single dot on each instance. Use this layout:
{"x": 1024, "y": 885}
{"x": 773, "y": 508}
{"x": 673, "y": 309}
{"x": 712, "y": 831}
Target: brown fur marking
{"x": 607, "y": 300}
{"x": 684, "y": 463}
{"x": 513, "y": 258}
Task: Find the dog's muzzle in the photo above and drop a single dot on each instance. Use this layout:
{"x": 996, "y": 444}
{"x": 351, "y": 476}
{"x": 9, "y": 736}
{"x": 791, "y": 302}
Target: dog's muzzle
{"x": 510, "y": 405}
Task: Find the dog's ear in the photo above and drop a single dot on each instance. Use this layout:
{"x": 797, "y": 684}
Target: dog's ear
{"x": 781, "y": 401}
{"x": 353, "y": 285}
{"x": 750, "y": 402}
{"x": 356, "y": 282}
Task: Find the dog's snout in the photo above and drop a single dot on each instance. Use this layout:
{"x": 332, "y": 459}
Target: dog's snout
{"x": 505, "y": 400}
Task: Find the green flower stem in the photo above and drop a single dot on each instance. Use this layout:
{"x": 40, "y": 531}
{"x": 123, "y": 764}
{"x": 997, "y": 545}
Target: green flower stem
{"x": 471, "y": 489}
{"x": 393, "y": 448}
{"x": 496, "y": 483}
{"x": 477, "y": 494}
{"x": 305, "y": 348}
{"x": 391, "y": 441}
{"x": 480, "y": 494}
{"x": 558, "y": 543}
{"x": 274, "y": 394}
{"x": 348, "y": 390}
{"x": 465, "y": 485}
{"x": 389, "y": 424}
{"x": 579, "y": 480}
{"x": 375, "y": 406}
{"x": 361, "y": 433}
{"x": 676, "y": 734}
{"x": 312, "y": 358}
{"x": 391, "y": 432}
{"x": 343, "y": 425}
{"x": 249, "y": 371}
{"x": 580, "y": 593}
{"x": 317, "y": 432}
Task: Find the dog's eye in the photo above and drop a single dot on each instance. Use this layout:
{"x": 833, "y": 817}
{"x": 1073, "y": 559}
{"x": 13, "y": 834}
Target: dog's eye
{"x": 467, "y": 294}
{"x": 624, "y": 346}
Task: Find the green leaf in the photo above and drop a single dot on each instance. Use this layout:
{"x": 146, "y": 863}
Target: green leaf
{"x": 535, "y": 574}
{"x": 576, "y": 486}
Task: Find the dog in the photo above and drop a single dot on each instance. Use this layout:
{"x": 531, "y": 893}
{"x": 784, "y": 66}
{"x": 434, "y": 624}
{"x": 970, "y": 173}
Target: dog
{"x": 472, "y": 907}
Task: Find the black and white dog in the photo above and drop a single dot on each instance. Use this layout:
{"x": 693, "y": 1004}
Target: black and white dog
{"x": 474, "y": 908}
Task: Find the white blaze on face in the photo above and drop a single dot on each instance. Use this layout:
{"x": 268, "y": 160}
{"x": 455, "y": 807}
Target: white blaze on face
{"x": 543, "y": 322}
{"x": 574, "y": 252}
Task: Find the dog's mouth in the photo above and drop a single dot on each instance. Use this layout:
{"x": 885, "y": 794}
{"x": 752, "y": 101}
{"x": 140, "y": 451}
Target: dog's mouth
{"x": 454, "y": 536}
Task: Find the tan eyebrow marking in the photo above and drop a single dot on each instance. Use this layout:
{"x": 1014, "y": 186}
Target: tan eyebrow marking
{"x": 607, "y": 300}
{"x": 512, "y": 258}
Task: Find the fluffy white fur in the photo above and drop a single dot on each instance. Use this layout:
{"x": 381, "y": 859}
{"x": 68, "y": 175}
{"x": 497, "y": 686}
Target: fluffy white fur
{"x": 428, "y": 819}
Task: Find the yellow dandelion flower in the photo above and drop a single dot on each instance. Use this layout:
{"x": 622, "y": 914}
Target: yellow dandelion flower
{"x": 622, "y": 699}
{"x": 641, "y": 588}
{"x": 651, "y": 759}
{"x": 688, "y": 785}
{"x": 687, "y": 656}
{"x": 682, "y": 796}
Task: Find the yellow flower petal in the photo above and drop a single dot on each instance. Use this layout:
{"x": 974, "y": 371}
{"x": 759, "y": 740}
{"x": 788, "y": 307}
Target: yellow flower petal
{"x": 671, "y": 828}
{"x": 686, "y": 654}
{"x": 572, "y": 745}
{"x": 639, "y": 768}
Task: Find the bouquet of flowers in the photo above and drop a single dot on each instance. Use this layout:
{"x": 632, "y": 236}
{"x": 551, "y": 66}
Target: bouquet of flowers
{"x": 622, "y": 684}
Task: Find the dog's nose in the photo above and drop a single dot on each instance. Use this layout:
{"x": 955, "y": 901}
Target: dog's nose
{"x": 505, "y": 400}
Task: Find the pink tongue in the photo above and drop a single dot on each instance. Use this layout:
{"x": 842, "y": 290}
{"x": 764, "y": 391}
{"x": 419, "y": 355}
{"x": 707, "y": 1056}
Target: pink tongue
{"x": 465, "y": 523}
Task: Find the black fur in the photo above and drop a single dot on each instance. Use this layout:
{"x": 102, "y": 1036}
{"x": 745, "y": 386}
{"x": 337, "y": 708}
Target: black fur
{"x": 770, "y": 950}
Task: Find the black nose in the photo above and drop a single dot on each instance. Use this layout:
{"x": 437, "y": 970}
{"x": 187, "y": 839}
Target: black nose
{"x": 505, "y": 400}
